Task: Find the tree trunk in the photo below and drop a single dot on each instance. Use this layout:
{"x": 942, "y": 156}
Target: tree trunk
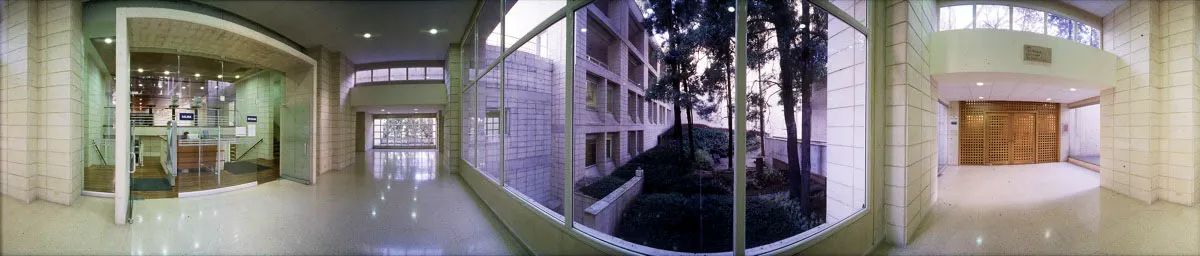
{"x": 691, "y": 132}
{"x": 798, "y": 188}
{"x": 806, "y": 107}
{"x": 729, "y": 91}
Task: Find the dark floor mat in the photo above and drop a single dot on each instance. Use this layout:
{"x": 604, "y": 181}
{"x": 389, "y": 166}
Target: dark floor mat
{"x": 244, "y": 167}
{"x": 151, "y": 184}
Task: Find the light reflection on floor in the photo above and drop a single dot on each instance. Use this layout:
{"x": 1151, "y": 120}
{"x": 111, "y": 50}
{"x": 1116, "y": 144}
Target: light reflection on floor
{"x": 388, "y": 203}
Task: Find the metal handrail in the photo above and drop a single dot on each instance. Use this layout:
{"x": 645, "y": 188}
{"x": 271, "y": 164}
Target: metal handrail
{"x": 247, "y": 151}
{"x": 99, "y": 152}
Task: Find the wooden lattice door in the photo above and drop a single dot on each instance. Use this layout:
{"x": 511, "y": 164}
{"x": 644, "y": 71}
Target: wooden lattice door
{"x": 996, "y": 133}
{"x": 998, "y": 148}
{"x": 1023, "y": 143}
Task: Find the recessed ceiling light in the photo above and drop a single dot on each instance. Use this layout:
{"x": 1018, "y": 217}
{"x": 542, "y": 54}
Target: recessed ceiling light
{"x": 383, "y": 110}
{"x": 237, "y": 77}
{"x": 220, "y": 76}
{"x": 197, "y": 74}
{"x": 731, "y": 9}
{"x": 366, "y": 35}
{"x": 1072, "y": 89}
{"x": 1048, "y": 99}
{"x": 981, "y": 97}
{"x": 979, "y": 84}
{"x": 185, "y": 88}
{"x": 140, "y": 70}
{"x": 201, "y": 87}
{"x": 166, "y": 72}
{"x": 108, "y": 40}
{"x": 584, "y": 30}
{"x": 433, "y": 31}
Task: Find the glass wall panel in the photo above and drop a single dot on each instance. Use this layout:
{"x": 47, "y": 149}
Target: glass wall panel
{"x": 469, "y": 128}
{"x": 488, "y": 123}
{"x": 379, "y": 75}
{"x": 956, "y": 17}
{"x": 398, "y": 74}
{"x": 362, "y": 76}
{"x": 523, "y": 16}
{"x": 811, "y": 172}
{"x": 1058, "y": 26}
{"x": 488, "y": 24}
{"x": 1029, "y": 20}
{"x": 535, "y": 83}
{"x": 992, "y": 16}
{"x": 1083, "y": 133}
{"x": 416, "y": 73}
{"x": 433, "y": 73}
{"x": 99, "y": 116}
{"x": 1085, "y": 34}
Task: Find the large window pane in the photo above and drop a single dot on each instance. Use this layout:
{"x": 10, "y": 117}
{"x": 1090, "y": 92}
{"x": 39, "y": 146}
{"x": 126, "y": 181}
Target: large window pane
{"x": 1083, "y": 135}
{"x": 956, "y": 17}
{"x": 524, "y": 15}
{"x": 1058, "y": 26}
{"x": 1029, "y": 20}
{"x": 489, "y": 23}
{"x": 826, "y": 182}
{"x": 379, "y": 75}
{"x": 433, "y": 73}
{"x": 405, "y": 131}
{"x": 1085, "y": 34}
{"x": 362, "y": 76}
{"x": 992, "y": 16}
{"x": 416, "y": 73}
{"x": 469, "y": 128}
{"x": 535, "y": 83}
{"x": 398, "y": 74}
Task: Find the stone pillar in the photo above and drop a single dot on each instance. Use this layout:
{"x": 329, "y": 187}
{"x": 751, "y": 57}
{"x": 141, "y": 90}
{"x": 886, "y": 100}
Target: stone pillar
{"x": 910, "y": 160}
{"x": 42, "y": 123}
{"x": 452, "y": 115}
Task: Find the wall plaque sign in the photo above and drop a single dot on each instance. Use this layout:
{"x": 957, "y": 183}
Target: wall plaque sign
{"x": 1038, "y": 54}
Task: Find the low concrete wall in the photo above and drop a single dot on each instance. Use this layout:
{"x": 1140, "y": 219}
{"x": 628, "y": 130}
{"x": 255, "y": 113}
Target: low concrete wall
{"x": 605, "y": 214}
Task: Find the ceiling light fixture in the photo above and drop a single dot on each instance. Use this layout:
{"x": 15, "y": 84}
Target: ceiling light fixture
{"x": 584, "y": 30}
{"x": 1072, "y": 89}
{"x": 201, "y": 87}
{"x": 140, "y": 70}
{"x": 731, "y": 9}
{"x": 167, "y": 72}
{"x": 979, "y": 84}
{"x": 237, "y": 77}
{"x": 197, "y": 75}
{"x": 433, "y": 31}
{"x": 220, "y": 76}
{"x": 367, "y": 35}
{"x": 981, "y": 97}
{"x": 1048, "y": 99}
{"x": 108, "y": 40}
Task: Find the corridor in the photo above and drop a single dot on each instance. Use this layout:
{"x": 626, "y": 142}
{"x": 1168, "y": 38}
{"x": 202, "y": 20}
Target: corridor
{"x": 1040, "y": 209}
{"x": 389, "y": 202}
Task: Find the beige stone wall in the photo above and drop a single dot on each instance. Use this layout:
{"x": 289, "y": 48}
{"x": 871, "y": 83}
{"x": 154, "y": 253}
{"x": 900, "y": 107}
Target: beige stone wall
{"x": 42, "y": 95}
{"x": 1149, "y": 124}
{"x": 259, "y": 95}
{"x": 910, "y": 162}
{"x": 451, "y": 116}
{"x": 335, "y": 117}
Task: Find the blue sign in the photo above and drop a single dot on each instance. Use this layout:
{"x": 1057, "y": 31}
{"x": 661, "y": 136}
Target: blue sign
{"x": 187, "y": 116}
{"x": 251, "y": 119}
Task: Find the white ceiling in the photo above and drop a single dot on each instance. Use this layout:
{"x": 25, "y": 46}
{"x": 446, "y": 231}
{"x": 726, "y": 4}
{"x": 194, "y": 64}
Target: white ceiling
{"x": 1012, "y": 87}
{"x": 1098, "y": 7}
{"x": 399, "y": 29}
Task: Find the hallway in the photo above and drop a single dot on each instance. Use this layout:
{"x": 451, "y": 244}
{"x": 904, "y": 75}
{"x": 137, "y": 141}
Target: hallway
{"x": 1052, "y": 208}
{"x": 390, "y": 202}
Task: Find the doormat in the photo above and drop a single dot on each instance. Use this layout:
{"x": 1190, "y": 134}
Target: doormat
{"x": 151, "y": 184}
{"x": 244, "y": 167}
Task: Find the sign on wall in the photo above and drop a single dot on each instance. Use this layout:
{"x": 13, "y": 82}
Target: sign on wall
{"x": 1038, "y": 54}
{"x": 187, "y": 116}
{"x": 251, "y": 119}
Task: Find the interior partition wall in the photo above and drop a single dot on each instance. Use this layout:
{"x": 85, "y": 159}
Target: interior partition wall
{"x": 601, "y": 120}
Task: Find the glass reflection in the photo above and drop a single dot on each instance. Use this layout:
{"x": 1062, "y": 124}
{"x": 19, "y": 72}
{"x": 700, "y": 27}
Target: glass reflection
{"x": 404, "y": 165}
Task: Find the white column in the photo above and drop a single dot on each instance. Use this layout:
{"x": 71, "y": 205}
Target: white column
{"x": 121, "y": 173}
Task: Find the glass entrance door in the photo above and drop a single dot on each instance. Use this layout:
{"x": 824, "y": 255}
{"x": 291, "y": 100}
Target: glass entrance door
{"x": 296, "y": 130}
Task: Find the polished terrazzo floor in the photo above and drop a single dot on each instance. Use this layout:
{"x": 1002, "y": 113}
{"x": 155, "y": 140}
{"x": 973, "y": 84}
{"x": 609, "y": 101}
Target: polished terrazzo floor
{"x": 390, "y": 202}
{"x": 1041, "y": 209}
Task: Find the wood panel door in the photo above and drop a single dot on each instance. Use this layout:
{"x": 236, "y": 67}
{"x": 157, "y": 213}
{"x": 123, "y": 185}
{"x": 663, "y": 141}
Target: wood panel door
{"x": 1024, "y": 146}
{"x": 997, "y": 133}
{"x": 999, "y": 150}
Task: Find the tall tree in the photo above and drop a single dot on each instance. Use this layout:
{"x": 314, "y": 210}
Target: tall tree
{"x": 798, "y": 34}
{"x": 676, "y": 19}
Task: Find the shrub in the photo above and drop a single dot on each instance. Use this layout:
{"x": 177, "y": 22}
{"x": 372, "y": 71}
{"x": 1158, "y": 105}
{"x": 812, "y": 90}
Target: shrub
{"x": 703, "y": 223}
{"x": 716, "y": 141}
{"x": 602, "y": 187}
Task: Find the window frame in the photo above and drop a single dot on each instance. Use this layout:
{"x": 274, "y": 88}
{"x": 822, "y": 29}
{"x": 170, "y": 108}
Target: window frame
{"x": 1046, "y": 24}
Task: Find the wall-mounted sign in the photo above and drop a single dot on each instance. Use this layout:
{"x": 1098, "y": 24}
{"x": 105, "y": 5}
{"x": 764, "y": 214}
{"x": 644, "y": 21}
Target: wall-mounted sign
{"x": 1038, "y": 54}
{"x": 187, "y": 116}
{"x": 251, "y": 119}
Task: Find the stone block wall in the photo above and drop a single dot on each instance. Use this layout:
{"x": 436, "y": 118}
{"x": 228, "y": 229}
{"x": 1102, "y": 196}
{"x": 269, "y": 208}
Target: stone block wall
{"x": 910, "y": 161}
{"x": 259, "y": 95}
{"x": 335, "y": 116}
{"x": 41, "y": 116}
{"x": 1149, "y": 125}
